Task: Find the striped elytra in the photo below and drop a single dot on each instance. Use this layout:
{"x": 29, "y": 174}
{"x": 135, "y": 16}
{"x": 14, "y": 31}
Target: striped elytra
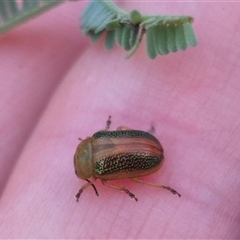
{"x": 125, "y": 153}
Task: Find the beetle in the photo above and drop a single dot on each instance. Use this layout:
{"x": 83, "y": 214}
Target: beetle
{"x": 124, "y": 153}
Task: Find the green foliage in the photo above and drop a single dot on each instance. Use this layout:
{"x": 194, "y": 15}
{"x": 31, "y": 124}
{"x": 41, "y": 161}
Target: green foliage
{"x": 164, "y": 34}
{"x": 14, "y": 12}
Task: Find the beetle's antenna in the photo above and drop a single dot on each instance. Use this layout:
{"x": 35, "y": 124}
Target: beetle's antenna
{"x": 95, "y": 189}
{"x": 108, "y": 123}
{"x": 79, "y": 139}
{"x": 152, "y": 129}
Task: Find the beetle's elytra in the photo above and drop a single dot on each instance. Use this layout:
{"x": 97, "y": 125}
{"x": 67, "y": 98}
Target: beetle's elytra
{"x": 124, "y": 153}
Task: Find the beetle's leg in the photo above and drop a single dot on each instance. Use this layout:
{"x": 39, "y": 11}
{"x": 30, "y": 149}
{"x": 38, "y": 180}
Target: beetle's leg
{"x": 156, "y": 185}
{"x": 108, "y": 123}
{"x": 95, "y": 189}
{"x": 121, "y": 188}
{"x": 84, "y": 187}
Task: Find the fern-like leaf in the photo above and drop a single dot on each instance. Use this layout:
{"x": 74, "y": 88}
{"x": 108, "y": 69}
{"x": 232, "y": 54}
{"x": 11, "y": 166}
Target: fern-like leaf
{"x": 164, "y": 34}
{"x": 14, "y": 12}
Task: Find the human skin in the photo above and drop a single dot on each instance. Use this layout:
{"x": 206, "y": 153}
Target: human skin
{"x": 56, "y": 86}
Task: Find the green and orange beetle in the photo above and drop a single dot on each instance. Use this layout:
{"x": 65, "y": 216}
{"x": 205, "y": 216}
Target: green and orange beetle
{"x": 124, "y": 153}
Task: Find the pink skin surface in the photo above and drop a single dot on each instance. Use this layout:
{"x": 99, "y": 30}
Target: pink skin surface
{"x": 56, "y": 86}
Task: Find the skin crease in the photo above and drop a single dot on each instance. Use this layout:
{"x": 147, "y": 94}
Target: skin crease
{"x": 56, "y": 87}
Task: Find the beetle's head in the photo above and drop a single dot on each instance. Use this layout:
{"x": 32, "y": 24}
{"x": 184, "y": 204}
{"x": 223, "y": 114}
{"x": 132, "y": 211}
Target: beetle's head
{"x": 83, "y": 163}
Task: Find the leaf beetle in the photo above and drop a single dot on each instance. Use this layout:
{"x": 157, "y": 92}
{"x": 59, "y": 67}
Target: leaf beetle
{"x": 124, "y": 153}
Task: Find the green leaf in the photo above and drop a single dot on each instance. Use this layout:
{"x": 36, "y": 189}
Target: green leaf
{"x": 13, "y": 7}
{"x": 12, "y": 13}
{"x": 126, "y": 35}
{"x": 180, "y": 38}
{"x": 29, "y": 4}
{"x": 95, "y": 36}
{"x": 162, "y": 40}
{"x": 171, "y": 42}
{"x": 98, "y": 15}
{"x": 133, "y": 35}
{"x": 151, "y": 47}
{"x": 110, "y": 40}
{"x": 90, "y": 19}
{"x": 3, "y": 10}
{"x": 112, "y": 25}
{"x": 164, "y": 34}
{"x": 119, "y": 33}
{"x": 189, "y": 35}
